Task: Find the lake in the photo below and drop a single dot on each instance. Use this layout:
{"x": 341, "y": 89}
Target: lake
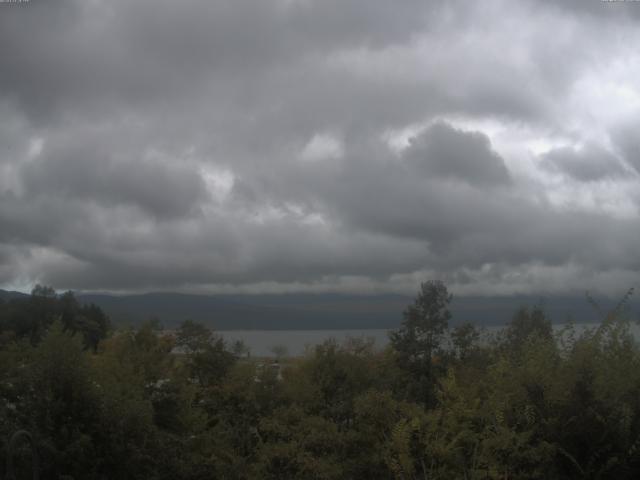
{"x": 260, "y": 342}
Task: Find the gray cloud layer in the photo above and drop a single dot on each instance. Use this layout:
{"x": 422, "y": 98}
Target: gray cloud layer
{"x": 286, "y": 145}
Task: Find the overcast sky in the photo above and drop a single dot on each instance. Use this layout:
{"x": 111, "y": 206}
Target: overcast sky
{"x": 329, "y": 145}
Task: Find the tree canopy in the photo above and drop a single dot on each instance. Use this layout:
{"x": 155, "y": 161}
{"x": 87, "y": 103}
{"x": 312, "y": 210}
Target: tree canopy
{"x": 143, "y": 403}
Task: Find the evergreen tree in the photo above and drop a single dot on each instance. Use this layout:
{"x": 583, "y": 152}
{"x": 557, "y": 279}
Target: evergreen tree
{"x": 420, "y": 336}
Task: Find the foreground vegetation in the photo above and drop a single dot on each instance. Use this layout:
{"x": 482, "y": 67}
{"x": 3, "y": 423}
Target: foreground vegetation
{"x": 438, "y": 403}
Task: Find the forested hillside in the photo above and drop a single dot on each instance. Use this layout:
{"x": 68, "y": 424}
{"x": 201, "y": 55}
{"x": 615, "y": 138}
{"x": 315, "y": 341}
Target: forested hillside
{"x": 438, "y": 403}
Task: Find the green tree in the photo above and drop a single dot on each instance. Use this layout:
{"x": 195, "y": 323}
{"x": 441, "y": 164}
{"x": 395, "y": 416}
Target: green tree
{"x": 240, "y": 349}
{"x": 88, "y": 320}
{"x": 279, "y": 351}
{"x": 64, "y": 405}
{"x": 207, "y": 356}
{"x": 420, "y": 337}
{"x": 465, "y": 339}
{"x": 297, "y": 445}
{"x": 193, "y": 337}
{"x": 527, "y": 324}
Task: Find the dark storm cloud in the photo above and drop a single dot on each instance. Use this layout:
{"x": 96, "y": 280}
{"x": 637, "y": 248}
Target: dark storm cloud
{"x": 197, "y": 144}
{"x": 588, "y": 164}
{"x": 468, "y": 223}
{"x": 90, "y": 169}
{"x": 95, "y": 58}
{"x": 443, "y": 151}
{"x": 79, "y": 55}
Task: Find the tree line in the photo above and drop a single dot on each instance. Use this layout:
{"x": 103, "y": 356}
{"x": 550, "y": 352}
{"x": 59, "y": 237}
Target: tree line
{"x": 436, "y": 403}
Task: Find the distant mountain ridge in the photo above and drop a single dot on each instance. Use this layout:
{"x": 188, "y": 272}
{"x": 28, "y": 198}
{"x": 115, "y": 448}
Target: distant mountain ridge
{"x": 260, "y": 312}
{"x": 318, "y": 311}
{"x": 9, "y": 295}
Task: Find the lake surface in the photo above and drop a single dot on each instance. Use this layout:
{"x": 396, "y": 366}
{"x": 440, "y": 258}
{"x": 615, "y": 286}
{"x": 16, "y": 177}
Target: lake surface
{"x": 296, "y": 342}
